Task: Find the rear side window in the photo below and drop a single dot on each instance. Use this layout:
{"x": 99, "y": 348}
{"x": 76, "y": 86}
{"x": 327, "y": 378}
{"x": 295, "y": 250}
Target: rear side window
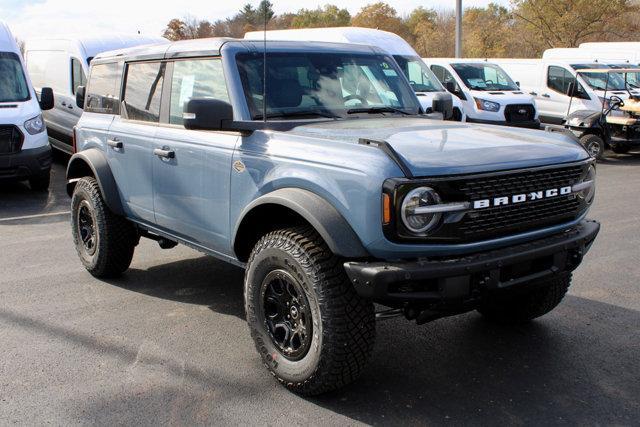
{"x": 196, "y": 78}
{"x": 77, "y": 75}
{"x": 143, "y": 90}
{"x": 102, "y": 92}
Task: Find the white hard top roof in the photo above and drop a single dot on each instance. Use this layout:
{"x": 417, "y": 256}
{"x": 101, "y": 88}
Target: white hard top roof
{"x": 92, "y": 46}
{"x": 7, "y": 41}
{"x": 390, "y": 42}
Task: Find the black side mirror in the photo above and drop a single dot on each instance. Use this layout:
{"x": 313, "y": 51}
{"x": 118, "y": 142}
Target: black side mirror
{"x": 46, "y": 98}
{"x": 443, "y": 103}
{"x": 518, "y": 84}
{"x": 207, "y": 114}
{"x": 80, "y": 93}
{"x": 571, "y": 90}
{"x": 450, "y": 86}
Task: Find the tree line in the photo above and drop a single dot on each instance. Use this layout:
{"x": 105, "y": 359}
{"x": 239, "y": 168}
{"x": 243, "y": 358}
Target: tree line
{"x": 524, "y": 29}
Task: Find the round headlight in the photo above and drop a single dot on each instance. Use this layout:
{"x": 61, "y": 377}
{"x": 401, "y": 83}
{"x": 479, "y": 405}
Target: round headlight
{"x": 589, "y": 192}
{"x": 416, "y": 221}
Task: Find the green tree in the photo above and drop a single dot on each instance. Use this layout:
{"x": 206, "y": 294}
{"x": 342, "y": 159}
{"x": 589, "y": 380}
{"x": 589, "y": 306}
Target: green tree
{"x": 327, "y": 16}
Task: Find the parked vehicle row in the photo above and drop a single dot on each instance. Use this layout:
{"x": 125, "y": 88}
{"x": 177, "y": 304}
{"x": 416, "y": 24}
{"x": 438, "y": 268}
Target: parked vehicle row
{"x": 312, "y": 166}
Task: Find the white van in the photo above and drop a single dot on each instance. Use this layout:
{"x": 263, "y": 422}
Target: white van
{"x": 547, "y": 80}
{"x": 487, "y": 93}
{"x": 25, "y": 153}
{"x": 63, "y": 64}
{"x": 422, "y": 80}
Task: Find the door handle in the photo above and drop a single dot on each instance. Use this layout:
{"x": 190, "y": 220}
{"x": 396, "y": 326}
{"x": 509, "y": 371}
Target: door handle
{"x": 533, "y": 93}
{"x": 546, "y": 95}
{"x": 114, "y": 143}
{"x": 70, "y": 107}
{"x": 167, "y": 154}
{"x": 64, "y": 104}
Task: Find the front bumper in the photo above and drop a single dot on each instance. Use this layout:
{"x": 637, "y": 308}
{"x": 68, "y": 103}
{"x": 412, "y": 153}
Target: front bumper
{"x": 25, "y": 163}
{"x": 465, "y": 277}
{"x": 531, "y": 124}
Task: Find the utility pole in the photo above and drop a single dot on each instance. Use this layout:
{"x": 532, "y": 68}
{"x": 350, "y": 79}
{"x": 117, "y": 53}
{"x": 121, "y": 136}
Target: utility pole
{"x": 458, "y": 28}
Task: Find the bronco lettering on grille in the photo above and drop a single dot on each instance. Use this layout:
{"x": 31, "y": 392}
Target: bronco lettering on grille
{"x": 521, "y": 198}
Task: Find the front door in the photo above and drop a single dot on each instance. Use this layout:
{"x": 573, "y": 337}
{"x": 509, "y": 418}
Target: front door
{"x": 191, "y": 169}
{"x": 553, "y": 103}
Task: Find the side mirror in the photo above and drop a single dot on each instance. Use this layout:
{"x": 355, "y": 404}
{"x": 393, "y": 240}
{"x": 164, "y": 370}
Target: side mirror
{"x": 80, "y": 93}
{"x": 46, "y": 99}
{"x": 450, "y": 86}
{"x": 518, "y": 84}
{"x": 207, "y": 114}
{"x": 571, "y": 90}
{"x": 443, "y": 103}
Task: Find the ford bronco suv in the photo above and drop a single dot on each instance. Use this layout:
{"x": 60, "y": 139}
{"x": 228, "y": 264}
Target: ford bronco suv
{"x": 317, "y": 173}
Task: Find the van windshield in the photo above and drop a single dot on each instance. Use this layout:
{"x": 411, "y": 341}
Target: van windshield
{"x": 484, "y": 77}
{"x": 420, "y": 77}
{"x": 13, "y": 84}
{"x": 324, "y": 84}
{"x": 598, "y": 81}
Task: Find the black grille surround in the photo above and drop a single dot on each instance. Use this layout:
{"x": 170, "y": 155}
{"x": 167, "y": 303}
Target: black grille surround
{"x": 11, "y": 139}
{"x": 515, "y": 113}
{"x": 498, "y": 221}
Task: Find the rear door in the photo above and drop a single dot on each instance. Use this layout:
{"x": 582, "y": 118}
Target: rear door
{"x": 191, "y": 169}
{"x": 131, "y": 137}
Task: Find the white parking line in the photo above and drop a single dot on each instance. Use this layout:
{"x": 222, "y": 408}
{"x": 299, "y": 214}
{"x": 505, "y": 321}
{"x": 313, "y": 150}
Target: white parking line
{"x": 18, "y": 218}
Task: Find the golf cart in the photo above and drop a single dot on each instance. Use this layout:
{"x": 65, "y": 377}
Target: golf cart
{"x": 617, "y": 124}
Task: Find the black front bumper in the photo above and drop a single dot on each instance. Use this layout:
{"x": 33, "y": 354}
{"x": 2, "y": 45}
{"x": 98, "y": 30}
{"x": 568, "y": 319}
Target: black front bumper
{"x": 530, "y": 124}
{"x": 460, "y": 278}
{"x": 25, "y": 163}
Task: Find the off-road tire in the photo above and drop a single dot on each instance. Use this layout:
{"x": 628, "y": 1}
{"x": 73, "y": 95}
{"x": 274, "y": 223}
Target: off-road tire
{"x": 620, "y": 148}
{"x": 343, "y": 322}
{"x": 116, "y": 237}
{"x": 40, "y": 182}
{"x": 594, "y": 145}
{"x": 520, "y": 307}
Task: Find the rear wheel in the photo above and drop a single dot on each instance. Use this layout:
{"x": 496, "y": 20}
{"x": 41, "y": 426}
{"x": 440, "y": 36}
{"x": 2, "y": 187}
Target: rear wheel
{"x": 594, "y": 145}
{"x": 312, "y": 330}
{"x": 104, "y": 241}
{"x": 519, "y": 307}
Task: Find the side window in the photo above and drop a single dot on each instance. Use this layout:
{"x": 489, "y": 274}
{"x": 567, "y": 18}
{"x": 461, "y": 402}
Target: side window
{"x": 77, "y": 75}
{"x": 444, "y": 75}
{"x": 143, "y": 90}
{"x": 195, "y": 78}
{"x": 558, "y": 79}
{"x": 102, "y": 91}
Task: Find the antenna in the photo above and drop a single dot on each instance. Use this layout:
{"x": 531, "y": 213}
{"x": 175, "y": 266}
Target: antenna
{"x": 264, "y": 67}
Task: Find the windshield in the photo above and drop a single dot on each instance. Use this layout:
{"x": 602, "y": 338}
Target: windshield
{"x": 420, "y": 77}
{"x": 324, "y": 84}
{"x": 598, "y": 81}
{"x": 484, "y": 77}
{"x": 13, "y": 85}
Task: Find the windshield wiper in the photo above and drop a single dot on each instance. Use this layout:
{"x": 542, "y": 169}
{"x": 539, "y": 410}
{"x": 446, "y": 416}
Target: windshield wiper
{"x": 374, "y": 110}
{"x": 319, "y": 113}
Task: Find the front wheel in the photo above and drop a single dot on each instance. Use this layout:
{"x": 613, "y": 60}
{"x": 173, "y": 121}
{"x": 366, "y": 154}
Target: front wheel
{"x": 520, "y": 307}
{"x": 594, "y": 145}
{"x": 104, "y": 241}
{"x": 312, "y": 330}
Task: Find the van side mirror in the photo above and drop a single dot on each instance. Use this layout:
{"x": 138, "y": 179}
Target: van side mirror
{"x": 443, "y": 103}
{"x": 46, "y": 99}
{"x": 80, "y": 93}
{"x": 518, "y": 84}
{"x": 571, "y": 90}
{"x": 207, "y": 114}
{"x": 450, "y": 86}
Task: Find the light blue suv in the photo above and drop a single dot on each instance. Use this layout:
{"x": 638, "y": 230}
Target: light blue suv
{"x": 330, "y": 187}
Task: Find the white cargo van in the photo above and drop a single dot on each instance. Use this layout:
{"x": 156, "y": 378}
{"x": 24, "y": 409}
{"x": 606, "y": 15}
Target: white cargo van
{"x": 488, "y": 94}
{"x": 547, "y": 80}
{"x": 63, "y": 64}
{"x": 25, "y": 153}
{"x": 422, "y": 80}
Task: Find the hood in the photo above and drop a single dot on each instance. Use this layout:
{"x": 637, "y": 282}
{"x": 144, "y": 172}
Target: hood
{"x": 16, "y": 113}
{"x": 431, "y": 147}
{"x": 504, "y": 97}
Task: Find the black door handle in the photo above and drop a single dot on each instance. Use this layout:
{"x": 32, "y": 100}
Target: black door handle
{"x": 114, "y": 143}
{"x": 167, "y": 154}
{"x": 546, "y": 95}
{"x": 533, "y": 93}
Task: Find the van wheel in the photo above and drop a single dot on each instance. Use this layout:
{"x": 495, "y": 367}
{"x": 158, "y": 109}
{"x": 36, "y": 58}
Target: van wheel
{"x": 520, "y": 307}
{"x": 312, "y": 330}
{"x": 40, "y": 182}
{"x": 594, "y": 145}
{"x": 104, "y": 241}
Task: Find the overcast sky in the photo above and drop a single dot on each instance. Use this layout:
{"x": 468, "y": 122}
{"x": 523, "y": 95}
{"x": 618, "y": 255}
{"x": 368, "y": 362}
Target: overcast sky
{"x": 35, "y": 18}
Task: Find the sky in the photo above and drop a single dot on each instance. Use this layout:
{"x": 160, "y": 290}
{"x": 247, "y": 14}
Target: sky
{"x": 47, "y": 18}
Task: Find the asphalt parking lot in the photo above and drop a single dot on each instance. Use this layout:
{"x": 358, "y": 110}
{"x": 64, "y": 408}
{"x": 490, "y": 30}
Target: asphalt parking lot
{"x": 167, "y": 343}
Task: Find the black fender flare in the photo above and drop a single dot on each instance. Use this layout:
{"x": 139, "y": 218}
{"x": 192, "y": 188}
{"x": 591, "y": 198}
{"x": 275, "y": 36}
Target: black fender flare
{"x": 96, "y": 162}
{"x": 319, "y": 213}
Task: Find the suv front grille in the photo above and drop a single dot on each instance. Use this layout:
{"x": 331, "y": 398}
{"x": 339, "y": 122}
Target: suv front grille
{"x": 515, "y": 113}
{"x": 10, "y": 139}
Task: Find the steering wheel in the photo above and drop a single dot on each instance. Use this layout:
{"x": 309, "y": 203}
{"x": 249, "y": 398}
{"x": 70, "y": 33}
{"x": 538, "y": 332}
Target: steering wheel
{"x": 488, "y": 82}
{"x": 362, "y": 100}
{"x": 615, "y": 102}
